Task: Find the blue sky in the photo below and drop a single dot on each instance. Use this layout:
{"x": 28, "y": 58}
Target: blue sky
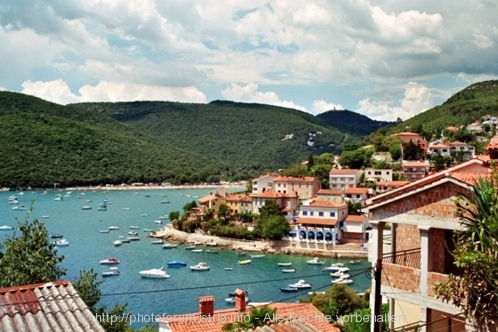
{"x": 384, "y": 59}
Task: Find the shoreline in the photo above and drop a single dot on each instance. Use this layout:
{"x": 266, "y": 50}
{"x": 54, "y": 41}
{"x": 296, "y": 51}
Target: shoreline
{"x": 268, "y": 247}
{"x": 135, "y": 187}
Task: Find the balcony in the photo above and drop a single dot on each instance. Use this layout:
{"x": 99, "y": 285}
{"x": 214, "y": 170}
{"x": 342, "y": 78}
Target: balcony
{"x": 401, "y": 270}
{"x": 409, "y": 258}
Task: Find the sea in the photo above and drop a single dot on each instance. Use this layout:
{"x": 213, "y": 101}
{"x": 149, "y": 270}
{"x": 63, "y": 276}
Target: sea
{"x": 179, "y": 294}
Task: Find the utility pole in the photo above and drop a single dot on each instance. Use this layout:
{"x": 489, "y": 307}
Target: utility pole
{"x": 378, "y": 297}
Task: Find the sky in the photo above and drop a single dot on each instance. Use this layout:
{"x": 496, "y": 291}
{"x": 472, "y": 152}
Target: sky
{"x": 384, "y": 59}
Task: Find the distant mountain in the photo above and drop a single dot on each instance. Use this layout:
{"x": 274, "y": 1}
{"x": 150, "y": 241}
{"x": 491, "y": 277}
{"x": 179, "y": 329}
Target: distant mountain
{"x": 98, "y": 143}
{"x": 352, "y": 122}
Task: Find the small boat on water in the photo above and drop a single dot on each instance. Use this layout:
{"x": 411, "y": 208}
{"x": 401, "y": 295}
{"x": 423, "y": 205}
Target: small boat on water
{"x": 126, "y": 209}
{"x": 144, "y": 214}
{"x": 132, "y": 233}
{"x": 228, "y": 269}
{"x": 190, "y": 248}
{"x": 354, "y": 262}
{"x": 232, "y": 299}
{"x": 104, "y": 231}
{"x": 157, "y": 241}
{"x": 245, "y": 262}
{"x": 301, "y": 284}
{"x": 62, "y": 243}
{"x": 284, "y": 264}
{"x": 56, "y": 236}
{"x": 212, "y": 251}
{"x": 339, "y": 271}
{"x": 289, "y": 270}
{"x": 176, "y": 263}
{"x": 125, "y": 240}
{"x": 342, "y": 280}
{"x": 158, "y": 221}
{"x": 340, "y": 274}
{"x": 196, "y": 250}
{"x": 241, "y": 253}
{"x": 109, "y": 261}
{"x": 86, "y": 207}
{"x": 154, "y": 274}
{"x": 45, "y": 217}
{"x": 6, "y": 228}
{"x": 202, "y": 266}
{"x": 148, "y": 230}
{"x": 288, "y": 289}
{"x": 134, "y": 227}
{"x": 169, "y": 246}
{"x": 113, "y": 228}
{"x": 19, "y": 208}
{"x": 134, "y": 238}
{"x": 314, "y": 261}
{"x": 335, "y": 269}
{"x": 111, "y": 273}
{"x": 258, "y": 256}
{"x": 164, "y": 201}
{"x": 117, "y": 243}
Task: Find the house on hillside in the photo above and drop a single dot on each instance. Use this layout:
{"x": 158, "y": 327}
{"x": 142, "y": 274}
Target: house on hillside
{"x": 288, "y": 203}
{"x": 334, "y": 195}
{"x": 422, "y": 220}
{"x": 344, "y": 178}
{"x": 305, "y": 187}
{"x": 474, "y": 127}
{"x": 381, "y": 187}
{"x": 413, "y": 170}
{"x": 375, "y": 175}
{"x": 293, "y": 317}
{"x": 240, "y": 203}
{"x": 356, "y": 195}
{"x": 415, "y": 138}
{"x": 263, "y": 183}
{"x": 51, "y": 306}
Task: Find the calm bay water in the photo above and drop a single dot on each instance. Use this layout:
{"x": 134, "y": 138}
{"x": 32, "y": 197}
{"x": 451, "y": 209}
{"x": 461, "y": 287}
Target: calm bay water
{"x": 178, "y": 294}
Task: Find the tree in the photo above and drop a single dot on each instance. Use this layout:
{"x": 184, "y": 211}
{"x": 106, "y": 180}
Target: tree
{"x": 223, "y": 211}
{"x": 29, "y": 256}
{"x": 270, "y": 208}
{"x": 311, "y": 162}
{"x": 356, "y": 159}
{"x": 439, "y": 162}
{"x": 189, "y": 206}
{"x": 174, "y": 215}
{"x": 475, "y": 289}
{"x": 395, "y": 152}
{"x": 275, "y": 227}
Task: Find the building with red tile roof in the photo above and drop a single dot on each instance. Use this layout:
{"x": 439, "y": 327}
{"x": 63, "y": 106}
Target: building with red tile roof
{"x": 413, "y": 170}
{"x": 239, "y": 203}
{"x": 422, "y": 218}
{"x": 415, "y": 138}
{"x": 263, "y": 183}
{"x": 344, "y": 178}
{"x": 334, "y": 195}
{"x": 305, "y": 186}
{"x": 210, "y": 320}
{"x": 356, "y": 195}
{"x": 381, "y": 187}
{"x": 53, "y": 306}
{"x": 286, "y": 201}
{"x": 354, "y": 229}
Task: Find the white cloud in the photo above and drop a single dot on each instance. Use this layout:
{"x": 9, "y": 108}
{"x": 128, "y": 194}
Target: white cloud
{"x": 417, "y": 98}
{"x": 249, "y": 93}
{"x": 59, "y": 92}
{"x": 320, "y": 106}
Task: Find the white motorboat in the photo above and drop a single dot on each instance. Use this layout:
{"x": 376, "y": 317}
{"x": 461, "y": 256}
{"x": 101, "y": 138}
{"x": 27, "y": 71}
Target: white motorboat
{"x": 134, "y": 227}
{"x": 132, "y": 233}
{"x": 61, "y": 243}
{"x": 339, "y": 271}
{"x": 19, "y": 208}
{"x": 6, "y": 228}
{"x": 340, "y": 275}
{"x": 13, "y": 202}
{"x": 289, "y": 270}
{"x": 301, "y": 284}
{"x": 196, "y": 250}
{"x": 86, "y": 207}
{"x": 284, "y": 264}
{"x": 147, "y": 230}
{"x": 258, "y": 256}
{"x": 335, "y": 269}
{"x": 104, "y": 231}
{"x": 354, "y": 262}
{"x": 113, "y": 228}
{"x": 169, "y": 246}
{"x": 228, "y": 269}
{"x": 133, "y": 238}
{"x": 109, "y": 261}
{"x": 117, "y": 243}
{"x": 202, "y": 266}
{"x": 154, "y": 274}
{"x": 231, "y": 299}
{"x": 110, "y": 273}
{"x": 314, "y": 261}
{"x": 45, "y": 217}
{"x": 157, "y": 241}
{"x": 158, "y": 221}
{"x": 338, "y": 264}
{"x": 126, "y": 209}
{"x": 342, "y": 280}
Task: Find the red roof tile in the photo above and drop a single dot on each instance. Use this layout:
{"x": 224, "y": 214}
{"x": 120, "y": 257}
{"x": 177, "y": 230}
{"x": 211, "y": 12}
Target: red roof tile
{"x": 325, "y": 203}
{"x": 343, "y": 171}
{"x": 355, "y": 191}
{"x": 352, "y": 218}
{"x": 274, "y": 194}
{"x": 53, "y": 306}
{"x": 330, "y": 192}
{"x": 239, "y": 198}
{"x": 294, "y": 179}
{"x": 286, "y": 311}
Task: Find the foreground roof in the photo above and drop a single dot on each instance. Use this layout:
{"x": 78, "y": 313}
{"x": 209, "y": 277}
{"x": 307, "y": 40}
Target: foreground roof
{"x": 45, "y": 307}
{"x": 300, "y": 312}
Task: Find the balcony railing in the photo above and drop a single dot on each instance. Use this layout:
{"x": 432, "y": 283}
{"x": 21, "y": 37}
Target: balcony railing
{"x": 408, "y": 258}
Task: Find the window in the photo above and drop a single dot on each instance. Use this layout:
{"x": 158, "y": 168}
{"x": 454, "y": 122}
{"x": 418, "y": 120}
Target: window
{"x": 305, "y": 213}
{"x": 320, "y": 214}
{"x": 332, "y": 214}
{"x": 311, "y": 213}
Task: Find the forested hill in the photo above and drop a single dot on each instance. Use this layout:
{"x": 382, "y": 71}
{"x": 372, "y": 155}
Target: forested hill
{"x": 463, "y": 108}
{"x": 353, "y": 122}
{"x": 98, "y": 143}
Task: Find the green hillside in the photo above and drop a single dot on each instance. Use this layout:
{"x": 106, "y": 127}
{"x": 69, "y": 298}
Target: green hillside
{"x": 239, "y": 137}
{"x": 463, "y": 108}
{"x": 43, "y": 143}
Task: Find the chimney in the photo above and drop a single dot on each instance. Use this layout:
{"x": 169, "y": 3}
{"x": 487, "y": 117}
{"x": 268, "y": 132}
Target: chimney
{"x": 206, "y": 305}
{"x": 240, "y": 300}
